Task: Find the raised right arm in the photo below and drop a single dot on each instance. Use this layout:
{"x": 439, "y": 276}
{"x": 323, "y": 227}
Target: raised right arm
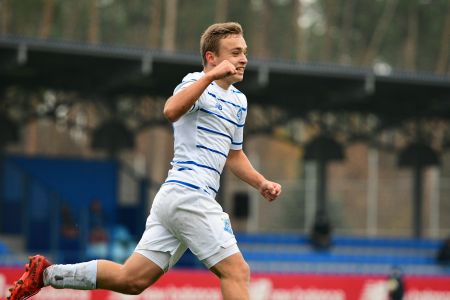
{"x": 178, "y": 104}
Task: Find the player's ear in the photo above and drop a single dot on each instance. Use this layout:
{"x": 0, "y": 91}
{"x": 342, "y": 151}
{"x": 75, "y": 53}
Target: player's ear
{"x": 210, "y": 58}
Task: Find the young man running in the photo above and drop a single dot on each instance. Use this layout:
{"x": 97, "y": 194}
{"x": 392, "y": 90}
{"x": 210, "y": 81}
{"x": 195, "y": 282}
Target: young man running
{"x": 208, "y": 115}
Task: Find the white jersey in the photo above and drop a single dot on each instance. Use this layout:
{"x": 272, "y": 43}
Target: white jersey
{"x": 205, "y": 134}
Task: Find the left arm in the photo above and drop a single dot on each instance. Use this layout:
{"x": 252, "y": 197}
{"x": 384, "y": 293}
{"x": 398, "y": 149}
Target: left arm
{"x": 239, "y": 164}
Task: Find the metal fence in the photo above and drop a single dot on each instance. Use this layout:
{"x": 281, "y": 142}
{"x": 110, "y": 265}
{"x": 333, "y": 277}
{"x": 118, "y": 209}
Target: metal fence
{"x": 355, "y": 209}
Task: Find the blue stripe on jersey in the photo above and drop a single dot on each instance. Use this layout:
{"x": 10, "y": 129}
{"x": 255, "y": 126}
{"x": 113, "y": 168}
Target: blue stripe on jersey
{"x": 212, "y": 150}
{"x": 193, "y": 106}
{"x": 184, "y": 183}
{"x": 225, "y": 101}
{"x": 233, "y": 89}
{"x": 184, "y": 169}
{"x": 191, "y": 162}
{"x": 214, "y": 190}
{"x": 219, "y": 133}
{"x": 222, "y": 117}
{"x": 215, "y": 132}
{"x": 191, "y": 185}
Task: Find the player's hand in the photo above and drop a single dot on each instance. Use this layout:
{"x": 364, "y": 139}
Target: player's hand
{"x": 222, "y": 70}
{"x": 270, "y": 190}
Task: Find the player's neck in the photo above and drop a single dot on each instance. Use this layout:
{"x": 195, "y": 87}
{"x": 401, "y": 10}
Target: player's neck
{"x": 223, "y": 84}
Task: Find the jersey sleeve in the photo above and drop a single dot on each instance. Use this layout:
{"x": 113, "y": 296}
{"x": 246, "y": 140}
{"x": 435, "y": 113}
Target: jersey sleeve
{"x": 187, "y": 81}
{"x": 238, "y": 137}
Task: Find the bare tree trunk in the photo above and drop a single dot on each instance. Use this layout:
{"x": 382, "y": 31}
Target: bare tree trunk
{"x": 5, "y": 16}
{"x": 302, "y": 34}
{"x": 155, "y": 24}
{"x": 410, "y": 48}
{"x": 442, "y": 64}
{"x": 330, "y": 15}
{"x": 47, "y": 19}
{"x": 170, "y": 25}
{"x": 294, "y": 39}
{"x": 347, "y": 26}
{"x": 297, "y": 30}
{"x": 221, "y": 11}
{"x": 71, "y": 18}
{"x": 94, "y": 22}
{"x": 190, "y": 43}
{"x": 379, "y": 32}
{"x": 260, "y": 30}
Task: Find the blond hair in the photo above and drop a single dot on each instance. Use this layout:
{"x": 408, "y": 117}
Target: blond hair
{"x": 213, "y": 34}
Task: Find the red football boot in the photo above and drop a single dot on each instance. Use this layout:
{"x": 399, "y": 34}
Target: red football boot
{"x": 31, "y": 281}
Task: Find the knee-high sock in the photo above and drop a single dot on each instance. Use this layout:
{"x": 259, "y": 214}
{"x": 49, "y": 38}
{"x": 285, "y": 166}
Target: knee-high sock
{"x": 81, "y": 276}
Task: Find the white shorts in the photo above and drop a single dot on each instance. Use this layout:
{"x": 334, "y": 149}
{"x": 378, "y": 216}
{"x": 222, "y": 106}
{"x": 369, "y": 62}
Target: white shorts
{"x": 182, "y": 218}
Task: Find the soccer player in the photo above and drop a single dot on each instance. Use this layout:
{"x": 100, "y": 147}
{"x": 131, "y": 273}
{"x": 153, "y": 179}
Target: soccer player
{"x": 208, "y": 115}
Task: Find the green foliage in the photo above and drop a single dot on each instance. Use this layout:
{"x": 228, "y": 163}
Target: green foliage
{"x": 336, "y": 31}
{"x": 25, "y": 17}
{"x": 193, "y": 18}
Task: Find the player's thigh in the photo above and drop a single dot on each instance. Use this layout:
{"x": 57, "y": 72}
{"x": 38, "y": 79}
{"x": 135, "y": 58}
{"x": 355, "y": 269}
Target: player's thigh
{"x": 202, "y": 225}
{"x": 140, "y": 268}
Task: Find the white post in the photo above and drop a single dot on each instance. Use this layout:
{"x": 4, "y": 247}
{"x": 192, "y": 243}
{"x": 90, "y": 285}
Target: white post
{"x": 310, "y": 193}
{"x": 254, "y": 198}
{"x": 372, "y": 192}
{"x": 434, "y": 202}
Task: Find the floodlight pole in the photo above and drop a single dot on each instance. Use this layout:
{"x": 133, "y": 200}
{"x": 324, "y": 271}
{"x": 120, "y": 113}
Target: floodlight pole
{"x": 2, "y": 183}
{"x": 321, "y": 186}
{"x": 417, "y": 198}
{"x": 417, "y": 156}
{"x": 372, "y": 192}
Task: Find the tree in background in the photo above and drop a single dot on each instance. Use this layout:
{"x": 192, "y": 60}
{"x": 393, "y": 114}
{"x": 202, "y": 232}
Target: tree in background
{"x": 410, "y": 35}
{"x": 379, "y": 32}
{"x": 94, "y": 22}
{"x": 48, "y": 17}
{"x": 443, "y": 63}
{"x": 154, "y": 26}
{"x": 5, "y": 17}
{"x": 221, "y": 14}
{"x": 170, "y": 26}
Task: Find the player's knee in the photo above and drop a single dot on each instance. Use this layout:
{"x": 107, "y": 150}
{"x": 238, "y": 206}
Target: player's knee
{"x": 240, "y": 272}
{"x": 133, "y": 285}
{"x": 245, "y": 272}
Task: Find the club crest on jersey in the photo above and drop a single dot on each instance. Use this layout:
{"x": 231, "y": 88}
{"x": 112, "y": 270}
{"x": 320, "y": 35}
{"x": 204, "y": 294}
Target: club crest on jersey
{"x": 219, "y": 106}
{"x": 227, "y": 226}
{"x": 239, "y": 114}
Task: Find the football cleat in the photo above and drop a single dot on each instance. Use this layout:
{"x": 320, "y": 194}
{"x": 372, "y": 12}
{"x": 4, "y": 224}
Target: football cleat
{"x": 31, "y": 282}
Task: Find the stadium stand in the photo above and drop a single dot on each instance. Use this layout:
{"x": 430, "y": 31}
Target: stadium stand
{"x": 11, "y": 251}
{"x": 290, "y": 253}
{"x": 3, "y": 248}
{"x": 277, "y": 252}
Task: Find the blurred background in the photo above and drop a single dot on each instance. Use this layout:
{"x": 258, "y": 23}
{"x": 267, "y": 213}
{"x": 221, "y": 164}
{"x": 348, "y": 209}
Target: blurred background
{"x": 349, "y": 108}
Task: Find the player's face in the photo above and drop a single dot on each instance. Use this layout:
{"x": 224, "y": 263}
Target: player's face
{"x": 234, "y": 49}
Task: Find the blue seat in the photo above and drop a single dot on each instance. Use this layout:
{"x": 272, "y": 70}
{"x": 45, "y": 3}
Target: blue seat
{"x": 4, "y": 249}
{"x": 293, "y": 252}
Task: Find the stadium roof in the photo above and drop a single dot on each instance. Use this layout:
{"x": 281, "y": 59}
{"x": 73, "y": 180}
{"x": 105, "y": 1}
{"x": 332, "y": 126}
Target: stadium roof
{"x": 297, "y": 87}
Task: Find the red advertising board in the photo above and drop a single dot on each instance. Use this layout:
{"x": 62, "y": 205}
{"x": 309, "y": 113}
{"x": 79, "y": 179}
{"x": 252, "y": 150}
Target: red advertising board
{"x": 202, "y": 285}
